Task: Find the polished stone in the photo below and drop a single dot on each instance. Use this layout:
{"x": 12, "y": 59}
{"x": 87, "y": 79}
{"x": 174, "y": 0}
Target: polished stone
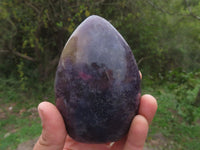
{"x": 97, "y": 83}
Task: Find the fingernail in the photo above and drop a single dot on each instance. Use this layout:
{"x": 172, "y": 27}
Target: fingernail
{"x": 40, "y": 111}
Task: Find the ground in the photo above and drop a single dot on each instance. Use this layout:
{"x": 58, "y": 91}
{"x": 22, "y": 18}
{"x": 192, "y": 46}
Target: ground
{"x": 28, "y": 145}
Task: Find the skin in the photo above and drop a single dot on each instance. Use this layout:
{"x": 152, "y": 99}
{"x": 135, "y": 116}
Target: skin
{"x": 54, "y": 135}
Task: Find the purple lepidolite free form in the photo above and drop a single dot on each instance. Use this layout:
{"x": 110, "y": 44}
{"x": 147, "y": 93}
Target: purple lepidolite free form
{"x": 97, "y": 83}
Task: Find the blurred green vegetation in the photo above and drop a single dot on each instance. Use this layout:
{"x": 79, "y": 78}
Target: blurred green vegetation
{"x": 19, "y": 120}
{"x": 164, "y": 37}
{"x": 176, "y": 124}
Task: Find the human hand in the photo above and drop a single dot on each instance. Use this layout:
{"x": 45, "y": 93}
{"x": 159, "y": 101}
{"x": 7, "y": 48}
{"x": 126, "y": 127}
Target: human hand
{"x": 54, "y": 135}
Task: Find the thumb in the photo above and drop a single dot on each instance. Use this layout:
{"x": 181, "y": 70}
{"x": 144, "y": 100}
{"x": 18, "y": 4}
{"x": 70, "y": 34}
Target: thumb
{"x": 53, "y": 128}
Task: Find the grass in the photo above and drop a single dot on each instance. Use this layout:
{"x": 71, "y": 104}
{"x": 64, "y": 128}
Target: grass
{"x": 170, "y": 129}
{"x": 19, "y": 119}
{"x": 173, "y": 117}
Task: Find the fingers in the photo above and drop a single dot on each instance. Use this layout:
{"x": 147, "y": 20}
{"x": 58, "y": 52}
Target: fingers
{"x": 148, "y": 107}
{"x": 140, "y": 75}
{"x": 53, "y": 132}
{"x": 137, "y": 134}
{"x": 140, "y": 124}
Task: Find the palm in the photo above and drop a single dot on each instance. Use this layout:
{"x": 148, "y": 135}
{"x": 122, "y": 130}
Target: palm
{"x": 71, "y": 144}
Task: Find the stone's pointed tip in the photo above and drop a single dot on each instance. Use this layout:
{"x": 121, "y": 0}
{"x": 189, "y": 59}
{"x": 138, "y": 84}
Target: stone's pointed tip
{"x": 95, "y": 18}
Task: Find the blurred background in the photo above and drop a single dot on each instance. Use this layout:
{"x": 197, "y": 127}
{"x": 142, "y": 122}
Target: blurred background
{"x": 163, "y": 35}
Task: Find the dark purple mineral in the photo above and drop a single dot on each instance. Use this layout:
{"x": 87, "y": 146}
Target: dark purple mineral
{"x": 97, "y": 83}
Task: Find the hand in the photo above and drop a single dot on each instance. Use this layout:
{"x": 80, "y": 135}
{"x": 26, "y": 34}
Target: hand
{"x": 54, "y": 135}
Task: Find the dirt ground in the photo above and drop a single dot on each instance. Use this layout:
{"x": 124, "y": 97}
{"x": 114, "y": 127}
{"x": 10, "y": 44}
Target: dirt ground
{"x": 28, "y": 145}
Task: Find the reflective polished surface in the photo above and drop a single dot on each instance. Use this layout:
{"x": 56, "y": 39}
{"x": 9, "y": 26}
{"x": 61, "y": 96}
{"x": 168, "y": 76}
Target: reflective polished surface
{"x": 97, "y": 83}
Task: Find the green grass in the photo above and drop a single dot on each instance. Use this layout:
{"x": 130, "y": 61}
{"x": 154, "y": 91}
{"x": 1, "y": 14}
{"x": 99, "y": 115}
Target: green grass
{"x": 25, "y": 130}
{"x": 19, "y": 120}
{"x": 172, "y": 120}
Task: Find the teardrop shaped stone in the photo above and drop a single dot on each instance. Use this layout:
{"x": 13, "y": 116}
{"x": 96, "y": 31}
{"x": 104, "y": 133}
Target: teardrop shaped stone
{"x": 97, "y": 83}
